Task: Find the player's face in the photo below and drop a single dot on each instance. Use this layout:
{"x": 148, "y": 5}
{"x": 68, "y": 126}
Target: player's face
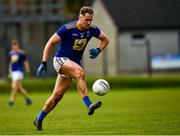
{"x": 14, "y": 46}
{"x": 85, "y": 20}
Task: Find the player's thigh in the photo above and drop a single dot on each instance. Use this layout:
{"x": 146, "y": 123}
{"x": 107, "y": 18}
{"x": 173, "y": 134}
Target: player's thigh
{"x": 72, "y": 69}
{"x": 20, "y": 85}
{"x": 62, "y": 85}
{"x": 15, "y": 84}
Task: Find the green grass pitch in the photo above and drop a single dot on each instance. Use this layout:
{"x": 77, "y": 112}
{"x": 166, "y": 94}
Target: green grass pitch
{"x": 128, "y": 111}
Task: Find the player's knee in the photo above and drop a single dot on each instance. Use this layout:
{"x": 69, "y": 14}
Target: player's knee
{"x": 80, "y": 74}
{"x": 14, "y": 87}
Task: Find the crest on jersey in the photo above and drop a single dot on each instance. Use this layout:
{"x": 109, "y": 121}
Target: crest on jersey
{"x": 82, "y": 35}
{"x": 88, "y": 34}
{"x": 79, "y": 44}
{"x": 14, "y": 58}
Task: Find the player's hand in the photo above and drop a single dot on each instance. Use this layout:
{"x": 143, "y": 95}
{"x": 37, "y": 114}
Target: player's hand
{"x": 9, "y": 75}
{"x": 94, "y": 52}
{"x": 42, "y": 69}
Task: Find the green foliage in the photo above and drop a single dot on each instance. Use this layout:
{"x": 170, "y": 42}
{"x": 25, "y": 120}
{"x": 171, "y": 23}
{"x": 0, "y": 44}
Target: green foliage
{"x": 47, "y": 84}
{"x": 144, "y": 82}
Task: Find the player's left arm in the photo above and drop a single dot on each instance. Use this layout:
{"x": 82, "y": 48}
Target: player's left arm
{"x": 94, "y": 52}
{"x": 103, "y": 40}
{"x": 26, "y": 66}
{"x": 25, "y": 62}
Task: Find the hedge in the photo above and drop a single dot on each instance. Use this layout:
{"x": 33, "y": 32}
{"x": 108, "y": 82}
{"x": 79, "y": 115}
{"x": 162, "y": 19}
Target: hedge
{"x": 47, "y": 84}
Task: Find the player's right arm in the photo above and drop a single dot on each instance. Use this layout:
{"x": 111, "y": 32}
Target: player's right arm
{"x": 52, "y": 41}
{"x": 9, "y": 66}
{"x": 55, "y": 38}
{"x": 48, "y": 47}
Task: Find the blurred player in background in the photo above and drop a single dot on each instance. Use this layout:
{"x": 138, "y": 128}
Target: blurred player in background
{"x": 73, "y": 38}
{"x": 17, "y": 61}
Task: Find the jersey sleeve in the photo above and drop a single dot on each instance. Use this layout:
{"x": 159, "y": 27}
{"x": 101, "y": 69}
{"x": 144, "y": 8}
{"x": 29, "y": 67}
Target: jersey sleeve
{"x": 61, "y": 31}
{"x": 24, "y": 57}
{"x": 95, "y": 31}
{"x": 9, "y": 57}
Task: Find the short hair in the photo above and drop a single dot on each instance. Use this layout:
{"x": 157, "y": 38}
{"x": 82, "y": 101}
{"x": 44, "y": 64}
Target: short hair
{"x": 14, "y": 41}
{"x": 85, "y": 10}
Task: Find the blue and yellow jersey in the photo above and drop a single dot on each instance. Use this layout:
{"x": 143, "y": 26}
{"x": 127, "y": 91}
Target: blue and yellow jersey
{"x": 17, "y": 60}
{"x": 74, "y": 41}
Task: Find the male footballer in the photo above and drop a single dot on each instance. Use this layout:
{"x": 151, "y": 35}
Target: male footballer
{"x": 18, "y": 61}
{"x": 73, "y": 38}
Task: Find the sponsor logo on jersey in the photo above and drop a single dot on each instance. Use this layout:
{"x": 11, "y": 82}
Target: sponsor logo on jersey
{"x": 79, "y": 44}
{"x": 14, "y": 58}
